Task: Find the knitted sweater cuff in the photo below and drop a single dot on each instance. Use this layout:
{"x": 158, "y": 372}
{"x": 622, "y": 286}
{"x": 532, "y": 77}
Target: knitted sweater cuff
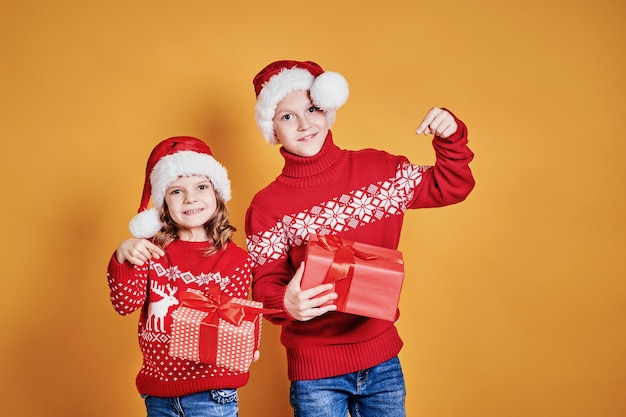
{"x": 277, "y": 300}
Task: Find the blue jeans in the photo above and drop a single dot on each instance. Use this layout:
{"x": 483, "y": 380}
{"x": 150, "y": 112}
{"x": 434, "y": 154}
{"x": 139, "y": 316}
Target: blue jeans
{"x": 214, "y": 403}
{"x": 374, "y": 392}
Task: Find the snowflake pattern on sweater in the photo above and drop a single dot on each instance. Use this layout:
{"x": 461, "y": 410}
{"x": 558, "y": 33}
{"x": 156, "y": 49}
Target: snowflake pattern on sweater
{"x": 347, "y": 211}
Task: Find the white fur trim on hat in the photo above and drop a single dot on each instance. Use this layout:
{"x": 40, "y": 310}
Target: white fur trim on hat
{"x": 186, "y": 163}
{"x": 329, "y": 91}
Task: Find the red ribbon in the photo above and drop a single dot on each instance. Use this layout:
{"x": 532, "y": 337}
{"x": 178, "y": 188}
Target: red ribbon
{"x": 344, "y": 256}
{"x": 341, "y": 270}
{"x": 215, "y": 304}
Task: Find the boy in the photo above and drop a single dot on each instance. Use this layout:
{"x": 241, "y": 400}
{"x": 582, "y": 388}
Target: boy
{"x": 337, "y": 362}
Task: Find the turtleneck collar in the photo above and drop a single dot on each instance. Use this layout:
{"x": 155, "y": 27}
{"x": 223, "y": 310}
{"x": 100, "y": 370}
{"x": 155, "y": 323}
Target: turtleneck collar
{"x": 315, "y": 169}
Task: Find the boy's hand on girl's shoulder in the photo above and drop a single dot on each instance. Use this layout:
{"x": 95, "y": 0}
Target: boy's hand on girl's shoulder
{"x": 305, "y": 305}
{"x": 438, "y": 122}
{"x": 137, "y": 251}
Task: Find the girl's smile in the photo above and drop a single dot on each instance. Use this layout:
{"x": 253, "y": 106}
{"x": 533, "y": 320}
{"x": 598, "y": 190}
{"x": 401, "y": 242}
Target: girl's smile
{"x": 191, "y": 203}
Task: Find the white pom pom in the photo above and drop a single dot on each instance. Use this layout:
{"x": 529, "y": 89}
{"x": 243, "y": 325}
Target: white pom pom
{"x": 145, "y": 224}
{"x": 330, "y": 91}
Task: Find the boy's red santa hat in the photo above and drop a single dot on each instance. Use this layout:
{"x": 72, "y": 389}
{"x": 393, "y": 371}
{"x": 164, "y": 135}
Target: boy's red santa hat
{"x": 170, "y": 159}
{"x": 328, "y": 90}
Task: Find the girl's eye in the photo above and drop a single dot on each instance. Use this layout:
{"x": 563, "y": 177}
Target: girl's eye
{"x": 313, "y": 109}
{"x": 175, "y": 191}
{"x": 286, "y": 117}
{"x": 203, "y": 187}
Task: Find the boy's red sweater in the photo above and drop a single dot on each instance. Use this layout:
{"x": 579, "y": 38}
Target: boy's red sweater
{"x": 361, "y": 196}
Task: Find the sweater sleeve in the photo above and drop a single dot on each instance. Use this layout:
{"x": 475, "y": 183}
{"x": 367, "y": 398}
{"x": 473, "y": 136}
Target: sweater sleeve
{"x": 271, "y": 270}
{"x": 450, "y": 180}
{"x": 127, "y": 285}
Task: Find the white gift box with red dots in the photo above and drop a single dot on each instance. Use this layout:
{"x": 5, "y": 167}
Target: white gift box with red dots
{"x": 225, "y": 345}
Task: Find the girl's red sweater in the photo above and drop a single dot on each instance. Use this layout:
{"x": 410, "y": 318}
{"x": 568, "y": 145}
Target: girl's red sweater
{"x": 155, "y": 289}
{"x": 361, "y": 196}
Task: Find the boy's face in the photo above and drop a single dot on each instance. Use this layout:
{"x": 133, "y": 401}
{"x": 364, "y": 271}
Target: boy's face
{"x": 300, "y": 126}
{"x": 191, "y": 202}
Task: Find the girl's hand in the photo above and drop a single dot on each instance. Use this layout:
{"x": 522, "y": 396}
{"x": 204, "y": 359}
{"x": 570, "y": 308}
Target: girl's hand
{"x": 437, "y": 122}
{"x": 305, "y": 305}
{"x": 137, "y": 251}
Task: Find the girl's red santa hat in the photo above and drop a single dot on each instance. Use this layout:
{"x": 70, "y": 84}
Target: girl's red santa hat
{"x": 328, "y": 90}
{"x": 172, "y": 158}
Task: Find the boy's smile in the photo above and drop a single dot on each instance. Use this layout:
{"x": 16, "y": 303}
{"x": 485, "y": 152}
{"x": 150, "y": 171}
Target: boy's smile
{"x": 300, "y": 126}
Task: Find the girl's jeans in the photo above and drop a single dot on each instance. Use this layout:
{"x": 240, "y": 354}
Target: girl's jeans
{"x": 374, "y": 392}
{"x": 215, "y": 403}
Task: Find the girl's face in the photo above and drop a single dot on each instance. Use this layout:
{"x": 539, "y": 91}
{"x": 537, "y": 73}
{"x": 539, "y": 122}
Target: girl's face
{"x": 191, "y": 202}
{"x": 300, "y": 126}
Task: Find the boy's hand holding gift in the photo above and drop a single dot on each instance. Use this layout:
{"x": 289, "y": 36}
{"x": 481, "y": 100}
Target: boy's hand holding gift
{"x": 308, "y": 304}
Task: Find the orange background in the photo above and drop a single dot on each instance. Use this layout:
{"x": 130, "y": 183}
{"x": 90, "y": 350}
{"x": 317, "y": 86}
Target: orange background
{"x": 514, "y": 303}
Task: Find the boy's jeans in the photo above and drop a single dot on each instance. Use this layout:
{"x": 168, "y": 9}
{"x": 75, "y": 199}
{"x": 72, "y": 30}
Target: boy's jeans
{"x": 374, "y": 392}
{"x": 215, "y": 403}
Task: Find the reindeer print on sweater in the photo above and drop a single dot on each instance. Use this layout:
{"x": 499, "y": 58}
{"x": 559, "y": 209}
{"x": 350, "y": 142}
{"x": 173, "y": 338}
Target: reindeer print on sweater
{"x": 157, "y": 310}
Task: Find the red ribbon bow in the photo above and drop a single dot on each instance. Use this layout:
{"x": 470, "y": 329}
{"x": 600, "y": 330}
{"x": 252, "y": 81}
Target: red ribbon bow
{"x": 343, "y": 261}
{"x": 342, "y": 268}
{"x": 215, "y": 304}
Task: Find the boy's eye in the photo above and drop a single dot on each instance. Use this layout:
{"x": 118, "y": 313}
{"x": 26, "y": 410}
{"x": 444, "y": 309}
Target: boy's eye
{"x": 287, "y": 117}
{"x": 175, "y": 191}
{"x": 313, "y": 109}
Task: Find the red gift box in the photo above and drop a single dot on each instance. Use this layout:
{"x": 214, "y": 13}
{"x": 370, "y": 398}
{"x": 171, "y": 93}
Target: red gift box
{"x": 367, "y": 278}
{"x": 217, "y": 331}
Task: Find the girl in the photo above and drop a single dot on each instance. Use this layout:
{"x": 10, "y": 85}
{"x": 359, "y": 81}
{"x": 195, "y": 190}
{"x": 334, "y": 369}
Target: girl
{"x": 182, "y": 243}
